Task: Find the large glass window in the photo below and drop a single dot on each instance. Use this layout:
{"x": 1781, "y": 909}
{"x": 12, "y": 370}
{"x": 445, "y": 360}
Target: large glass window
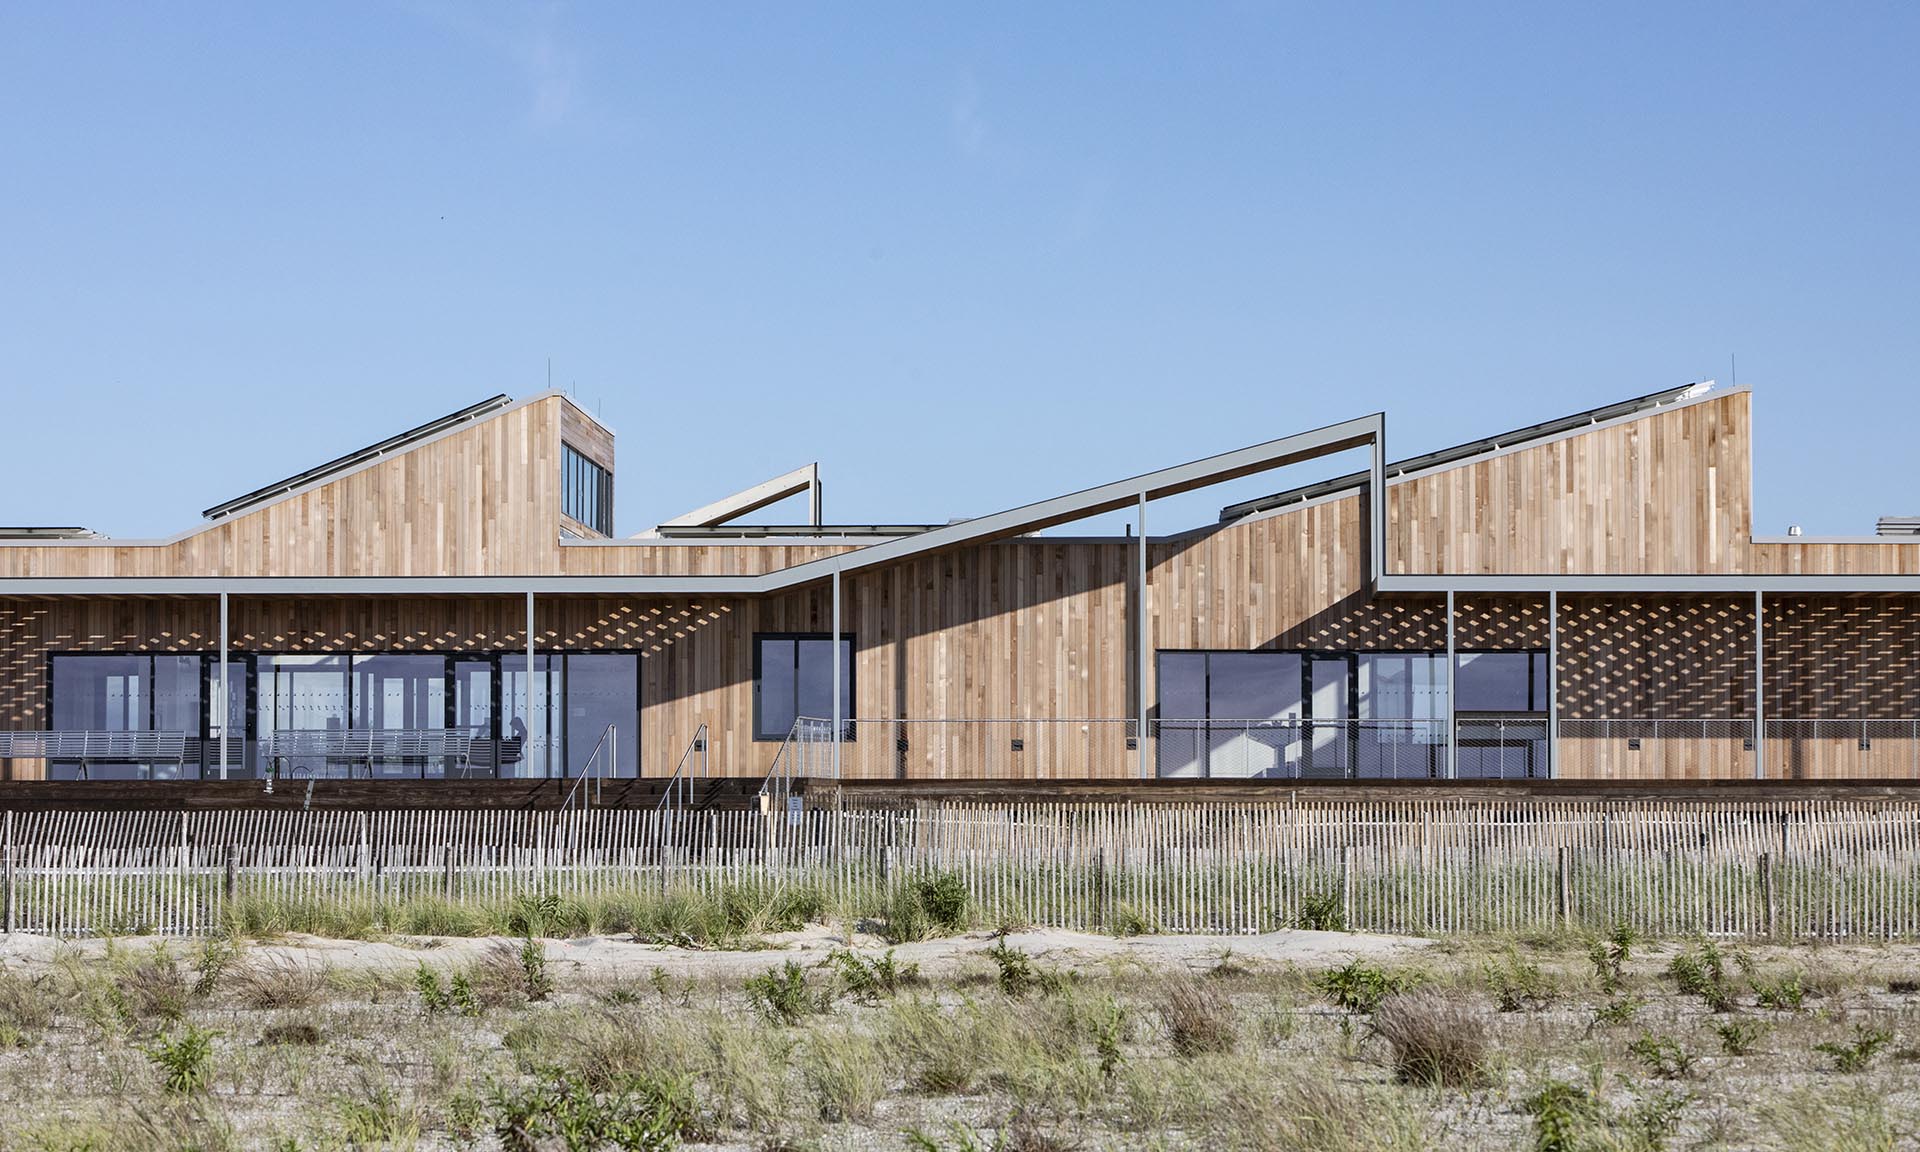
{"x": 586, "y": 491}
{"x": 235, "y": 705}
{"x": 1231, "y": 713}
{"x": 400, "y": 691}
{"x": 1501, "y": 682}
{"x": 103, "y": 693}
{"x": 793, "y": 676}
{"x": 473, "y": 702}
{"x": 129, "y": 693}
{"x": 1403, "y": 685}
{"x": 1364, "y": 714}
{"x": 603, "y": 691}
{"x": 576, "y": 696}
{"x": 530, "y": 743}
{"x": 1500, "y": 705}
{"x": 301, "y": 693}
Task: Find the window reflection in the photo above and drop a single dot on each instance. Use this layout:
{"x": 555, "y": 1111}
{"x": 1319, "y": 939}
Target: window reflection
{"x": 794, "y": 676}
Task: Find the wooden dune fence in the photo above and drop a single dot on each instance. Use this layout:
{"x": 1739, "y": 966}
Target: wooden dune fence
{"x": 1825, "y": 869}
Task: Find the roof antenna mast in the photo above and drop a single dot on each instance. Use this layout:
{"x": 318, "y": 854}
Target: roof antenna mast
{"x": 1733, "y": 369}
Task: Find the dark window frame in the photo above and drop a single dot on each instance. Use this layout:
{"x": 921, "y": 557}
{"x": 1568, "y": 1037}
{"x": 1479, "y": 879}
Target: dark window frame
{"x": 1351, "y": 657}
{"x": 1534, "y": 707}
{"x": 847, "y": 698}
{"x": 207, "y": 761}
{"x": 247, "y": 664}
{"x": 586, "y": 490}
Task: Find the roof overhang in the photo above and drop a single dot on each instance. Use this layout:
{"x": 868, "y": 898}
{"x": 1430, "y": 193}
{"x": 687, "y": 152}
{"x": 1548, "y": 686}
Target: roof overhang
{"x": 1360, "y": 432}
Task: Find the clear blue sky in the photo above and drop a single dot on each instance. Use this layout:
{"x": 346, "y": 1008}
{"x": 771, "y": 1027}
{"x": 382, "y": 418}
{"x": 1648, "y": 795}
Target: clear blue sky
{"x": 1045, "y": 245}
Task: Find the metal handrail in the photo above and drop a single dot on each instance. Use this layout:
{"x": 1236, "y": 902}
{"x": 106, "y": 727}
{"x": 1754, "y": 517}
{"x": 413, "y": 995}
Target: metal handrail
{"x": 610, "y": 742}
{"x": 779, "y": 782}
{"x": 678, "y": 796}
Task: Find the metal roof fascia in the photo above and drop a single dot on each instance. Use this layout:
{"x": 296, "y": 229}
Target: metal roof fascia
{"x": 379, "y": 585}
{"x": 1642, "y": 583}
{"x": 1107, "y": 497}
{"x": 1907, "y": 540}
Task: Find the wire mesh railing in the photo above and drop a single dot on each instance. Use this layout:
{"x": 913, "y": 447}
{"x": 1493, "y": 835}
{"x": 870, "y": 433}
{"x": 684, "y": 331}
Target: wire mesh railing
{"x": 1488, "y": 747}
{"x": 1106, "y": 748}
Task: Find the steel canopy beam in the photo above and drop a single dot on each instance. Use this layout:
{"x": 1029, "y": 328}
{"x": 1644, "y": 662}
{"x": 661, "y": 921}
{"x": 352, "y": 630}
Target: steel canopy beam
{"x": 1756, "y": 582}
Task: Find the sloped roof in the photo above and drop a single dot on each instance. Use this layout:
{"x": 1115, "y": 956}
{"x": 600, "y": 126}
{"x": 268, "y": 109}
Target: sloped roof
{"x": 1520, "y": 437}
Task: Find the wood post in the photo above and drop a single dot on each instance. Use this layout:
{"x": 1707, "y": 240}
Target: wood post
{"x": 1563, "y": 884}
{"x": 9, "y": 891}
{"x": 231, "y": 869}
{"x": 1766, "y": 893}
{"x": 1346, "y": 885}
{"x": 1101, "y": 916}
{"x": 446, "y": 876}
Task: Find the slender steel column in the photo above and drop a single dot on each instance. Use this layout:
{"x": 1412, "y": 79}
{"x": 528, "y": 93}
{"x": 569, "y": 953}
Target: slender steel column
{"x": 1553, "y": 684}
{"x": 1377, "y": 506}
{"x": 838, "y": 705}
{"x": 1140, "y": 626}
{"x": 1453, "y": 733}
{"x": 1759, "y": 686}
{"x": 526, "y": 750}
{"x": 226, "y": 699}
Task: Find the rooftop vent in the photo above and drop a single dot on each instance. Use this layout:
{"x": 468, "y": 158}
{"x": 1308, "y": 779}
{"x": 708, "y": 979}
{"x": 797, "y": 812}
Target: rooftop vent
{"x": 1898, "y": 526}
{"x": 32, "y": 533}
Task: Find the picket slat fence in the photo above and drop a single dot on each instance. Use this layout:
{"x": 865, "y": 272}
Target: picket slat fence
{"x": 1831, "y": 869}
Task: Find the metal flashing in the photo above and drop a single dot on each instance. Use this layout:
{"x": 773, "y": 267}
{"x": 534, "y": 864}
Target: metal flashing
{"x": 1909, "y": 541}
{"x": 803, "y": 479}
{"x": 1654, "y": 583}
{"x": 712, "y": 532}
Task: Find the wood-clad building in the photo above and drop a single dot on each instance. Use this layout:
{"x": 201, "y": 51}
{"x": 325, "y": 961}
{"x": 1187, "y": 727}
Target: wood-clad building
{"x": 1608, "y": 609}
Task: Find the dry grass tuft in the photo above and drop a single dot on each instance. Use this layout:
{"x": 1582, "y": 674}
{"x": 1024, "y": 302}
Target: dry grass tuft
{"x": 1198, "y": 1017}
{"x": 1435, "y": 1039}
{"x": 153, "y": 988}
{"x": 26, "y": 1005}
{"x": 270, "y": 982}
{"x": 291, "y": 1032}
{"x": 845, "y": 1073}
